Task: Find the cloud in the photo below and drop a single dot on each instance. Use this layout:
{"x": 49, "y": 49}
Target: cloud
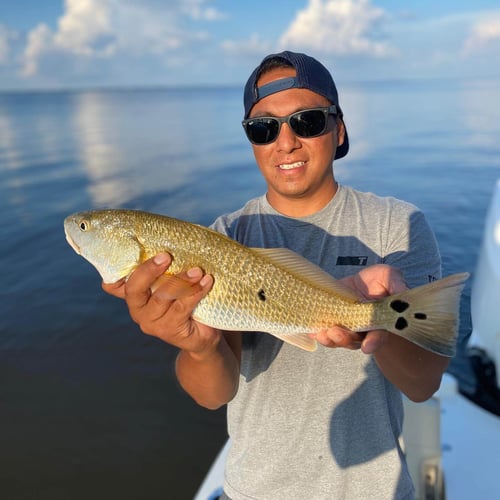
{"x": 4, "y": 45}
{"x": 6, "y": 37}
{"x": 206, "y": 13}
{"x": 84, "y": 30}
{"x": 339, "y": 27}
{"x": 158, "y": 42}
{"x": 457, "y": 44}
{"x": 252, "y": 47}
{"x": 39, "y": 40}
{"x": 106, "y": 29}
{"x": 483, "y": 34}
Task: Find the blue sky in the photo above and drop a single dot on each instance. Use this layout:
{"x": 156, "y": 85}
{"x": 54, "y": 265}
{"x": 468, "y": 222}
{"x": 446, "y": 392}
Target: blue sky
{"x": 87, "y": 43}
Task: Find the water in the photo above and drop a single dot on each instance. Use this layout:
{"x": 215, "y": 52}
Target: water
{"x": 89, "y": 407}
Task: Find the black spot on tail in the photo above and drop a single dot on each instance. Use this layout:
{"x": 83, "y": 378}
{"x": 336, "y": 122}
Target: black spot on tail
{"x": 262, "y": 295}
{"x": 399, "y": 305}
{"x": 420, "y": 316}
{"x": 401, "y": 324}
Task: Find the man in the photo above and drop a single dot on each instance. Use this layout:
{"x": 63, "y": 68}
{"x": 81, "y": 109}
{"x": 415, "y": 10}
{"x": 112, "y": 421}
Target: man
{"x": 305, "y": 425}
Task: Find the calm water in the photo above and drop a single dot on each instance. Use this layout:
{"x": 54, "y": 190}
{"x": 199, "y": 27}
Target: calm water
{"x": 89, "y": 407}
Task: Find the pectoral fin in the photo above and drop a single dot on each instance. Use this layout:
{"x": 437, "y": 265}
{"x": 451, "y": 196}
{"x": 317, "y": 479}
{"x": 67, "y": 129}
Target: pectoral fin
{"x": 178, "y": 287}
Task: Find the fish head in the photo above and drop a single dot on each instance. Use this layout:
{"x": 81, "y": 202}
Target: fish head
{"x": 102, "y": 238}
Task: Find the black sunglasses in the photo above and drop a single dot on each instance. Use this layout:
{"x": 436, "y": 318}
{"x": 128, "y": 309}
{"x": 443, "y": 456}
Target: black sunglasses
{"x": 306, "y": 123}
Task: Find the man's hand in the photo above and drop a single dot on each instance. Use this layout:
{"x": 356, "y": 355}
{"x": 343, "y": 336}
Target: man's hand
{"x": 373, "y": 282}
{"x": 166, "y": 313}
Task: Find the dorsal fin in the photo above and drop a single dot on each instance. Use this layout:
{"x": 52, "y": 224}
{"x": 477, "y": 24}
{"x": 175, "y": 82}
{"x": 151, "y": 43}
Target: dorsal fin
{"x": 296, "y": 264}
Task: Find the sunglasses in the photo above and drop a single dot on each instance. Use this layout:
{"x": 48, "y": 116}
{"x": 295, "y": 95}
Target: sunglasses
{"x": 306, "y": 123}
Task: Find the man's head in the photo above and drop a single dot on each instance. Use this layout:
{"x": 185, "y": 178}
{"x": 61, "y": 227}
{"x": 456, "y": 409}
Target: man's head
{"x": 309, "y": 74}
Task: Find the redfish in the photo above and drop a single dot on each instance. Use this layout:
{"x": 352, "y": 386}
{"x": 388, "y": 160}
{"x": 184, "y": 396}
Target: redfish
{"x": 268, "y": 290}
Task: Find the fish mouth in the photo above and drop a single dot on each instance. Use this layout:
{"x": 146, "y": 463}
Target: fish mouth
{"x": 73, "y": 245}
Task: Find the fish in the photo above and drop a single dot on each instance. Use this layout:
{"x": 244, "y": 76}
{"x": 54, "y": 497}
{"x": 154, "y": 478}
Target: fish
{"x": 271, "y": 290}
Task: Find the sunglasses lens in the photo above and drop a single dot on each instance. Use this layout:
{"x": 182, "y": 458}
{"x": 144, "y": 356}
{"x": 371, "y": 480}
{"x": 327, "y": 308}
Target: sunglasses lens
{"x": 262, "y": 130}
{"x": 308, "y": 123}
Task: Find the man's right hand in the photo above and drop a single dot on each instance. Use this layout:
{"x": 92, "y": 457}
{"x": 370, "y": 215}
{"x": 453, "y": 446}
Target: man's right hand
{"x": 166, "y": 313}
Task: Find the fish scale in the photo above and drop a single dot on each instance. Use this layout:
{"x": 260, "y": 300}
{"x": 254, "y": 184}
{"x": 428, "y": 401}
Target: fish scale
{"x": 269, "y": 290}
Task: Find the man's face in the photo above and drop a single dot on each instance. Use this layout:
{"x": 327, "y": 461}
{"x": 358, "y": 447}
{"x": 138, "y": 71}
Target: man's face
{"x": 298, "y": 170}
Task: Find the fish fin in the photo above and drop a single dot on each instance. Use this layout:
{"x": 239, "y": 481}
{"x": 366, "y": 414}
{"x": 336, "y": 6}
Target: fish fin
{"x": 301, "y": 340}
{"x": 178, "y": 287}
{"x": 298, "y": 265}
{"x": 430, "y": 315}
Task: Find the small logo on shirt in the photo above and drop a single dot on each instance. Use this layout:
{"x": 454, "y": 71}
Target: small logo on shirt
{"x": 352, "y": 260}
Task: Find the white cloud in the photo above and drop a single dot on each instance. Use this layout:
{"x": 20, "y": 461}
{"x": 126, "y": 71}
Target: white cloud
{"x": 83, "y": 27}
{"x": 455, "y": 44}
{"x": 340, "y": 27}
{"x": 206, "y": 13}
{"x": 39, "y": 40}
{"x": 4, "y": 45}
{"x": 251, "y": 47}
{"x": 156, "y": 42}
{"x": 103, "y": 29}
{"x": 482, "y": 35}
{"x": 6, "y": 37}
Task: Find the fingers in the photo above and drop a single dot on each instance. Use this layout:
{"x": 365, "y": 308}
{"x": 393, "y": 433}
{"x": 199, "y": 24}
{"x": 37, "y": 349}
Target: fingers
{"x": 339, "y": 337}
{"x": 178, "y": 286}
{"x": 383, "y": 280}
{"x": 138, "y": 288}
{"x": 150, "y": 293}
{"x": 171, "y": 319}
{"x": 179, "y": 304}
{"x": 368, "y": 342}
{"x": 371, "y": 283}
{"x": 162, "y": 304}
{"x": 374, "y": 340}
{"x": 116, "y": 289}
{"x": 393, "y": 280}
{"x": 377, "y": 281}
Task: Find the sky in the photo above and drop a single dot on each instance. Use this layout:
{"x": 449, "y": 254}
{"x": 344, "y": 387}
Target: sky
{"x": 54, "y": 44}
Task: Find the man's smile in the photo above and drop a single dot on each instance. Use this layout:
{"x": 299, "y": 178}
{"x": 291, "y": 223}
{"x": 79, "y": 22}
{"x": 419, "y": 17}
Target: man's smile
{"x": 290, "y": 166}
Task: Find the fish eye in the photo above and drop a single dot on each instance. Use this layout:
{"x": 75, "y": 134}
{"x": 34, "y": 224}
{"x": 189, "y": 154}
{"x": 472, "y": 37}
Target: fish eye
{"x": 84, "y": 225}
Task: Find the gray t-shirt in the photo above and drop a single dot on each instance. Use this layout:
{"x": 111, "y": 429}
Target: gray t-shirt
{"x": 327, "y": 424}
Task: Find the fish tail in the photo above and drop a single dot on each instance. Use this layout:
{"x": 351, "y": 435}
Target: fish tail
{"x": 428, "y": 315}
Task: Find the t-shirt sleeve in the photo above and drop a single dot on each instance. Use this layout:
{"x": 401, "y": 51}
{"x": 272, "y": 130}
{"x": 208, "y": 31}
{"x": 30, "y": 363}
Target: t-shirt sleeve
{"x": 412, "y": 247}
{"x": 221, "y": 225}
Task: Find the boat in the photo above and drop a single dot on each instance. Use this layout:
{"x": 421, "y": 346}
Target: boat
{"x": 452, "y": 441}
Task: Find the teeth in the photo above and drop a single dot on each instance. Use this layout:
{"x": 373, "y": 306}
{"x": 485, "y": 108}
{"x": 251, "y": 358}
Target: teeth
{"x": 289, "y": 166}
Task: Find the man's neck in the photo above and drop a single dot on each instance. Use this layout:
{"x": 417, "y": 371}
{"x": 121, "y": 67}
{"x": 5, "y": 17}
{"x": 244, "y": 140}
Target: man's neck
{"x": 300, "y": 206}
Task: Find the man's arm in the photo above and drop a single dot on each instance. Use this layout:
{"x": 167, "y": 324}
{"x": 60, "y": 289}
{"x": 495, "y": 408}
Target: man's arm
{"x": 415, "y": 371}
{"x": 208, "y": 363}
{"x": 211, "y": 377}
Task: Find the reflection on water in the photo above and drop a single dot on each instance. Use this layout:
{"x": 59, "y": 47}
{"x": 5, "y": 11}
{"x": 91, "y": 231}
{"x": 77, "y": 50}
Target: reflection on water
{"x": 98, "y": 150}
{"x": 479, "y": 111}
{"x": 7, "y": 142}
{"x": 86, "y": 398}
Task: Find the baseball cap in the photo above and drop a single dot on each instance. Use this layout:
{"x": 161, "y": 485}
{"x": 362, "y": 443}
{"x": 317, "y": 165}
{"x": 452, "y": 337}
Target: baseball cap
{"x": 310, "y": 74}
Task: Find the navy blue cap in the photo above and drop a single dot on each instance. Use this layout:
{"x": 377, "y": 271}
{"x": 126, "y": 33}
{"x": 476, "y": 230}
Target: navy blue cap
{"x": 310, "y": 74}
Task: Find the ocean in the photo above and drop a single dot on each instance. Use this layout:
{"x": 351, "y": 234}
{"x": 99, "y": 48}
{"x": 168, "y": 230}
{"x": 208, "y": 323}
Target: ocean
{"x": 89, "y": 406}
